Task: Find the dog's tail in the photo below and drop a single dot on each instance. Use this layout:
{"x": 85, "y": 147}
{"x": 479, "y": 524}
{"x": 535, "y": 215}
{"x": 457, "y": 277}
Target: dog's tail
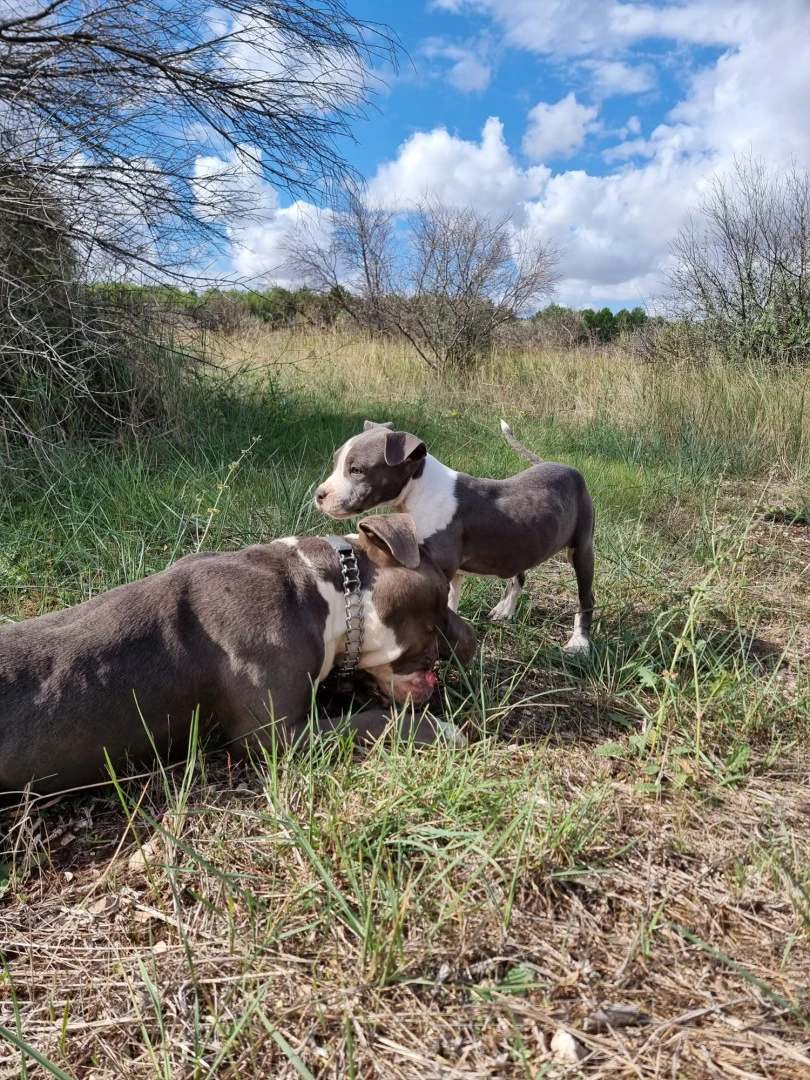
{"x": 521, "y": 449}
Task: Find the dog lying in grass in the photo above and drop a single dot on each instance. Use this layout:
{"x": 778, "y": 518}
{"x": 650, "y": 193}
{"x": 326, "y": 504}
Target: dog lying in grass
{"x": 243, "y": 636}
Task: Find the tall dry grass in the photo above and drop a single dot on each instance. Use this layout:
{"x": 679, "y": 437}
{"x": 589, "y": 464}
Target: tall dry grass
{"x": 754, "y": 419}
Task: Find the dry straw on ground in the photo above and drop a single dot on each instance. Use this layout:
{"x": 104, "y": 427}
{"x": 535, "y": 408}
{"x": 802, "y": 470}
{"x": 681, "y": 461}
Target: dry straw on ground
{"x": 215, "y": 958}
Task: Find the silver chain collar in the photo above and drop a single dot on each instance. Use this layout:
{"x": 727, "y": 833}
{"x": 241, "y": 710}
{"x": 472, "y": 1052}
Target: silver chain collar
{"x": 353, "y": 600}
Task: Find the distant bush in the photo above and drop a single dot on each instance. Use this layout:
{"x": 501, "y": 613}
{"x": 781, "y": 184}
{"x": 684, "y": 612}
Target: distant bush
{"x": 234, "y": 310}
{"x": 563, "y": 327}
{"x": 739, "y": 285}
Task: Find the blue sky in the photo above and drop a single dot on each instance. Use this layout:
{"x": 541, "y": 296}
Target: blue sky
{"x": 494, "y": 78}
{"x": 593, "y": 122}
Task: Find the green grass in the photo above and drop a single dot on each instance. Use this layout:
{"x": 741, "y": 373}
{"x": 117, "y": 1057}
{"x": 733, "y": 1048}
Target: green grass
{"x": 630, "y": 828}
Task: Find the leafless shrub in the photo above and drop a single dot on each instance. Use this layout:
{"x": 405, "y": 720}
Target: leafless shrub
{"x": 740, "y": 281}
{"x": 74, "y": 357}
{"x": 130, "y": 135}
{"x": 112, "y": 104}
{"x": 445, "y": 278}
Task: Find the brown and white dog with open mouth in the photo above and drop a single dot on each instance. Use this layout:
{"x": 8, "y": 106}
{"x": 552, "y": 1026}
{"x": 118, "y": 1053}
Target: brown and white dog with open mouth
{"x": 242, "y": 636}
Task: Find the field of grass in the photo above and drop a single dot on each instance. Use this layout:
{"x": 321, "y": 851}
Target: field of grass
{"x": 627, "y": 830}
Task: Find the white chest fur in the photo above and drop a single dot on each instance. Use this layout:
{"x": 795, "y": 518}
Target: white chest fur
{"x": 431, "y": 498}
{"x": 380, "y": 645}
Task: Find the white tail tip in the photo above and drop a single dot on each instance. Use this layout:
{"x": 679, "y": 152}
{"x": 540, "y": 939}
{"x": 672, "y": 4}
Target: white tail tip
{"x": 505, "y": 428}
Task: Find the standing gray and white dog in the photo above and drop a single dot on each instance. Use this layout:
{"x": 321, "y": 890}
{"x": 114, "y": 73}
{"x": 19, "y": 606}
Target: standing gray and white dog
{"x": 469, "y": 524}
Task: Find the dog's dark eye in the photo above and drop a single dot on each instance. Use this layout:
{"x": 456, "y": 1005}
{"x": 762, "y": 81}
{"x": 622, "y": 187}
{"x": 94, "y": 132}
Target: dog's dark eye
{"x": 355, "y": 470}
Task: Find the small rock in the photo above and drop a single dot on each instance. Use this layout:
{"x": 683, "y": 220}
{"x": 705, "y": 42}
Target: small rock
{"x": 144, "y": 854}
{"x": 566, "y": 1049}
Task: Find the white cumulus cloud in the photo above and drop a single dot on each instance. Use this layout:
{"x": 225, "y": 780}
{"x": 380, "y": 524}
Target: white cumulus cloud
{"x": 259, "y": 229}
{"x": 612, "y": 77}
{"x": 614, "y": 229}
{"x": 569, "y": 28}
{"x": 558, "y": 130}
{"x": 468, "y": 68}
{"x": 458, "y": 172}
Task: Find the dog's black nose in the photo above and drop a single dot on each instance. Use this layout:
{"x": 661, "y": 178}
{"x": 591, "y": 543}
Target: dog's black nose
{"x": 320, "y": 495}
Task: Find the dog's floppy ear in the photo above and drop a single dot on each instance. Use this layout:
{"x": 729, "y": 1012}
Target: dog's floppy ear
{"x": 394, "y": 533}
{"x": 402, "y": 446}
{"x": 457, "y": 637}
{"x": 369, "y": 424}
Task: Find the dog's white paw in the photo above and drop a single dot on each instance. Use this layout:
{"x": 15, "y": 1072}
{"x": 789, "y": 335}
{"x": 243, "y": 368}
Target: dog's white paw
{"x": 578, "y": 645}
{"x": 502, "y": 612}
{"x": 455, "y": 736}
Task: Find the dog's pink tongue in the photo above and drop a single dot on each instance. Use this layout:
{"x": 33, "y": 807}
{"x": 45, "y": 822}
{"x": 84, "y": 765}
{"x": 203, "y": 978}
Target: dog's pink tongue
{"x": 431, "y": 679}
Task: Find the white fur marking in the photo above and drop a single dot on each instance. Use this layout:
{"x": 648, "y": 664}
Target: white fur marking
{"x": 380, "y": 645}
{"x": 334, "y": 630}
{"x": 454, "y": 594}
{"x": 292, "y": 542}
{"x": 335, "y": 627}
{"x": 453, "y": 734}
{"x": 430, "y": 499}
{"x": 338, "y": 485}
{"x": 578, "y": 642}
{"x": 504, "y": 610}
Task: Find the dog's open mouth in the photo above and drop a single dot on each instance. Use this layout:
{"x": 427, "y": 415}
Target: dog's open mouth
{"x": 416, "y": 687}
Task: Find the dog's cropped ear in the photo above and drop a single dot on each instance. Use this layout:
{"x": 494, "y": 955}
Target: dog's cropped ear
{"x": 369, "y": 424}
{"x": 402, "y": 446}
{"x": 394, "y": 533}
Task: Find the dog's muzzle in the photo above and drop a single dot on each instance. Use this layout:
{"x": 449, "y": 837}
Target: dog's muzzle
{"x": 417, "y": 687}
{"x": 331, "y": 504}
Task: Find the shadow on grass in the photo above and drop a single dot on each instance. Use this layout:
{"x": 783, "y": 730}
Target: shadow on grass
{"x": 711, "y": 644}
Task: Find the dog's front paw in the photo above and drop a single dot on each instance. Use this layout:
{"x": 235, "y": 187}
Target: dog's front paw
{"x": 455, "y": 736}
{"x": 502, "y": 612}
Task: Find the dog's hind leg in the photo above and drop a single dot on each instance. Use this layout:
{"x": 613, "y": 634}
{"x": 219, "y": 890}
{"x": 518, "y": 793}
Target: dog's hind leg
{"x": 581, "y": 558}
{"x": 503, "y": 611}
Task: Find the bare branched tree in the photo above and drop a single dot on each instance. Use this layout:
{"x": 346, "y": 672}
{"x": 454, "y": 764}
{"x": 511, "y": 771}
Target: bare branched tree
{"x": 443, "y": 277}
{"x": 132, "y": 132}
{"x": 741, "y": 269}
{"x": 113, "y": 103}
{"x": 467, "y": 274}
{"x": 353, "y": 258}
